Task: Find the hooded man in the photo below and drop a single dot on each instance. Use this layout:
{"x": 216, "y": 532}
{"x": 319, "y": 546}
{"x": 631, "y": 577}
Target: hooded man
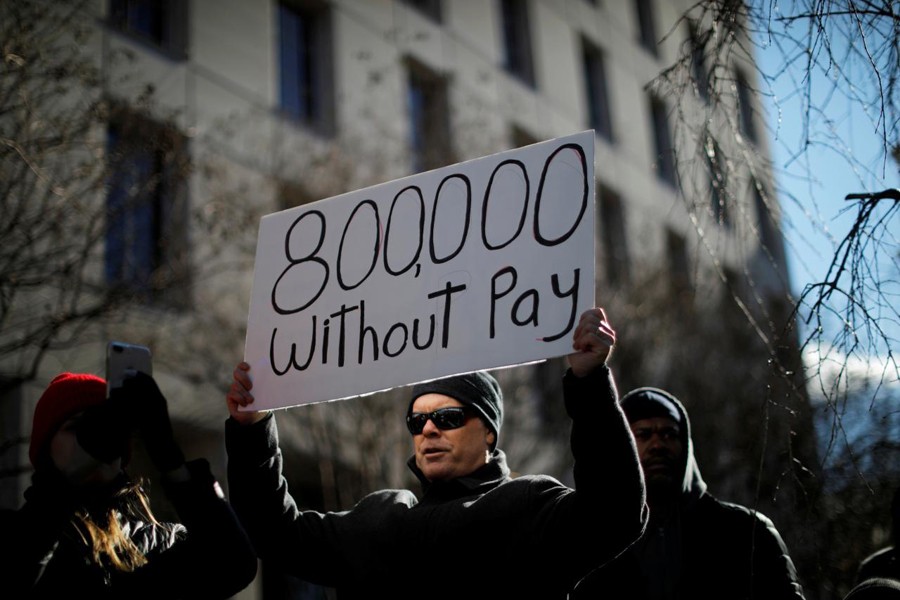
{"x": 474, "y": 532}
{"x": 695, "y": 546}
{"x": 886, "y": 561}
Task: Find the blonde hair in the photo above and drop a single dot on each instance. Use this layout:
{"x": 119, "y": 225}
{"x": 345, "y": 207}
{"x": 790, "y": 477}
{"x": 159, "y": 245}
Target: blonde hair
{"x": 101, "y": 530}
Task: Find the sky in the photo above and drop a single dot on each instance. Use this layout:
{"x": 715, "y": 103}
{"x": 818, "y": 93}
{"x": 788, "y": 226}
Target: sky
{"x": 816, "y": 217}
{"x": 813, "y": 224}
{"x": 820, "y": 217}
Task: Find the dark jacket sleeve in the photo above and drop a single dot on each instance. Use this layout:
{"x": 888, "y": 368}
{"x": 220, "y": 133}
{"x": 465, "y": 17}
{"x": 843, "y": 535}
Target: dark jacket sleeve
{"x": 306, "y": 544}
{"x": 31, "y": 534}
{"x": 728, "y": 544}
{"x": 775, "y": 575}
{"x": 607, "y": 512}
{"x": 215, "y": 558}
{"x": 883, "y": 563}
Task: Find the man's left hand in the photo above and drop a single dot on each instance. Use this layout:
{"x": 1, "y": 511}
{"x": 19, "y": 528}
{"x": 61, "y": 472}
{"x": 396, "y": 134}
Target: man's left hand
{"x": 593, "y": 341}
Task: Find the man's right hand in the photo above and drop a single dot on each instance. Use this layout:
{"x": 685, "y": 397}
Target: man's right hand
{"x": 239, "y": 395}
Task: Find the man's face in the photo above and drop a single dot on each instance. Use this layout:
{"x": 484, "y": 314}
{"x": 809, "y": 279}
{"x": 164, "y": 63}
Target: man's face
{"x": 442, "y": 454}
{"x": 659, "y": 449}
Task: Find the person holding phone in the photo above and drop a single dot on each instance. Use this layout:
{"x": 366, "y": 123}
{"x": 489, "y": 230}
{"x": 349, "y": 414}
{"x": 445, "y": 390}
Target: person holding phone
{"x": 87, "y": 527}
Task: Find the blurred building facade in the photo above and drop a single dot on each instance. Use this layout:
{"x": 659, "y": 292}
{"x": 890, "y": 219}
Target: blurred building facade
{"x": 274, "y": 104}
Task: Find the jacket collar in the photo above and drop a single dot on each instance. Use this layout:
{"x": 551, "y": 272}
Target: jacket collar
{"x": 479, "y": 481}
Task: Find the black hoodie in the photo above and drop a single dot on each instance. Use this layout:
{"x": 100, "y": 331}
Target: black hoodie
{"x": 705, "y": 549}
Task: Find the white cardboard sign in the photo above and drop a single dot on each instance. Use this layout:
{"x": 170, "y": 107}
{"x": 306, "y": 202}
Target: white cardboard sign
{"x": 483, "y": 264}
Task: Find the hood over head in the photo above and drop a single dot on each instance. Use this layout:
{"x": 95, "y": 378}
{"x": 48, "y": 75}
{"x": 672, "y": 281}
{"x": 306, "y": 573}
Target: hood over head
{"x": 648, "y": 402}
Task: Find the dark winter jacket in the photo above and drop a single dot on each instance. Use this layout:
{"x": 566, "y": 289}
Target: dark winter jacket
{"x": 480, "y": 536}
{"x": 883, "y": 563}
{"x": 206, "y": 555}
{"x": 706, "y": 549}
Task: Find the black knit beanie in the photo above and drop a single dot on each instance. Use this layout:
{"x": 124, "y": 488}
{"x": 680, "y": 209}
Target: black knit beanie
{"x": 479, "y": 390}
{"x": 648, "y": 402}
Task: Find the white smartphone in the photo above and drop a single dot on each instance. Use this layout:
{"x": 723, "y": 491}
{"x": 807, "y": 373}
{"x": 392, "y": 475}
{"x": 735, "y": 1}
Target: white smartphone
{"x": 123, "y": 360}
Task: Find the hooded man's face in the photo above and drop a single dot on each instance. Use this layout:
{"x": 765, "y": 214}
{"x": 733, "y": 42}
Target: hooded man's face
{"x": 660, "y": 450}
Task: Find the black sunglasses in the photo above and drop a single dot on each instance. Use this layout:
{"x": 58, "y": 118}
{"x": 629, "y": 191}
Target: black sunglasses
{"x": 451, "y": 417}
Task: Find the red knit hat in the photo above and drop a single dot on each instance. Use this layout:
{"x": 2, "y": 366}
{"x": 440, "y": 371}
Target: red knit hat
{"x": 67, "y": 395}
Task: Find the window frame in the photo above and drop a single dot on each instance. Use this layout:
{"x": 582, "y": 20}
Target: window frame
{"x": 146, "y": 237}
{"x": 430, "y": 133}
{"x": 682, "y": 288}
{"x": 518, "y": 51}
{"x": 171, "y": 35}
{"x": 664, "y": 149}
{"x": 745, "y": 106}
{"x": 646, "y": 26}
{"x": 717, "y": 170}
{"x": 305, "y": 65}
{"x": 699, "y": 73}
{"x": 432, "y": 9}
{"x": 613, "y": 225}
{"x": 597, "y": 89}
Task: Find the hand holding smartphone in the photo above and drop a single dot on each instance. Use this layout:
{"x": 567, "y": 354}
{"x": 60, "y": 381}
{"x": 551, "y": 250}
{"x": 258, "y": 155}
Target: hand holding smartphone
{"x": 124, "y": 360}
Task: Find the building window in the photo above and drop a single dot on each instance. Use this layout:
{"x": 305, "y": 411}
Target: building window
{"x": 517, "y": 40}
{"x": 646, "y": 26}
{"x": 521, "y": 137}
{"x": 429, "y": 8}
{"x": 290, "y": 195}
{"x": 161, "y": 23}
{"x": 597, "y": 90}
{"x": 698, "y": 62}
{"x": 769, "y": 236}
{"x": 745, "y": 106}
{"x": 613, "y": 237}
{"x": 546, "y": 388}
{"x": 678, "y": 267}
{"x": 732, "y": 292}
{"x": 306, "y": 64}
{"x": 718, "y": 181}
{"x": 429, "y": 122}
{"x": 662, "y": 138}
{"x": 146, "y": 204}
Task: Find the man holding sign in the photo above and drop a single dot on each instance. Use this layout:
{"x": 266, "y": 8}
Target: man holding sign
{"x": 475, "y": 532}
